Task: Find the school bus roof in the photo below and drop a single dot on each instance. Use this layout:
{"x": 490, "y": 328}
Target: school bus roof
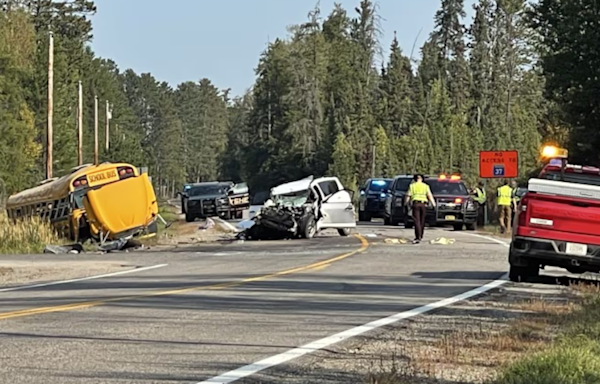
{"x": 58, "y": 188}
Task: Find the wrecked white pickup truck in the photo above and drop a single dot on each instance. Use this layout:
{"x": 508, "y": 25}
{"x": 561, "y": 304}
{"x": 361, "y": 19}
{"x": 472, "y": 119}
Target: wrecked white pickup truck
{"x": 301, "y": 209}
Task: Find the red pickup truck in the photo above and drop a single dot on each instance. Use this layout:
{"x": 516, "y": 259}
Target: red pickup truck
{"x": 557, "y": 223}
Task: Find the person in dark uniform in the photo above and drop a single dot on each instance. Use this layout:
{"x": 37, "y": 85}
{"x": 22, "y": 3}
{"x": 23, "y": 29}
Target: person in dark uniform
{"x": 417, "y": 196}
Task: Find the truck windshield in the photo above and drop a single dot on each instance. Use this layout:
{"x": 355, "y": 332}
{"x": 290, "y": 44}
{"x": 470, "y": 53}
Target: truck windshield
{"x": 204, "y": 190}
{"x": 403, "y": 184}
{"x": 379, "y": 185}
{"x": 439, "y": 187}
{"x": 295, "y": 199}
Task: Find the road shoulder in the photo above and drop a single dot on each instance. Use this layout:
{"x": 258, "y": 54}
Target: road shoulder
{"x": 467, "y": 342}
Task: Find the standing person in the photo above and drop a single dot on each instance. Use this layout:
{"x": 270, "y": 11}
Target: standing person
{"x": 515, "y": 198}
{"x": 418, "y": 194}
{"x": 505, "y": 197}
{"x": 480, "y": 199}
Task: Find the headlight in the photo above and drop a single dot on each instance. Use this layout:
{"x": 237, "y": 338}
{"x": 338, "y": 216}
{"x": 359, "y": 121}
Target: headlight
{"x": 470, "y": 206}
{"x": 222, "y": 201}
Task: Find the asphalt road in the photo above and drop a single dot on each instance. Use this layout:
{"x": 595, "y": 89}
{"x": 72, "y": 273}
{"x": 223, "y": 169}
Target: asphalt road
{"x": 216, "y": 308}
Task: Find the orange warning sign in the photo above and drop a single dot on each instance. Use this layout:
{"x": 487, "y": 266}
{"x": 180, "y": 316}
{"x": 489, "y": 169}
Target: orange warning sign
{"x": 498, "y": 164}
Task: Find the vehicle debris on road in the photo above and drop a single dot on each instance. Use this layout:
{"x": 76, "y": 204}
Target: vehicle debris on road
{"x": 442, "y": 241}
{"x": 395, "y": 241}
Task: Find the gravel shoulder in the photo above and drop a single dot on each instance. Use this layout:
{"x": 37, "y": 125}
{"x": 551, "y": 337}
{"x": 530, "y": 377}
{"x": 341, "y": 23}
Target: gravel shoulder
{"x": 464, "y": 343}
{"x": 19, "y": 272}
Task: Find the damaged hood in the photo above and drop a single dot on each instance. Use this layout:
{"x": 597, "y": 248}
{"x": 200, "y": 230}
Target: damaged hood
{"x": 292, "y": 187}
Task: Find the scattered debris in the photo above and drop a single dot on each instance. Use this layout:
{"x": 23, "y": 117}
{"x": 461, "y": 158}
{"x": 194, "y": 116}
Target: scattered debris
{"x": 208, "y": 224}
{"x": 443, "y": 241}
{"x": 396, "y": 241}
{"x": 111, "y": 246}
{"x": 370, "y": 235}
{"x": 62, "y": 249}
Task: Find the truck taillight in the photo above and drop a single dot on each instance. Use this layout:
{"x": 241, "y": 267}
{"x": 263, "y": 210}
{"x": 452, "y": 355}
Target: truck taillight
{"x": 522, "y": 211}
{"x": 125, "y": 172}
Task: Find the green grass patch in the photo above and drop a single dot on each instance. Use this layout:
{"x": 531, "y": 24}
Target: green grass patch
{"x": 26, "y": 236}
{"x": 574, "y": 358}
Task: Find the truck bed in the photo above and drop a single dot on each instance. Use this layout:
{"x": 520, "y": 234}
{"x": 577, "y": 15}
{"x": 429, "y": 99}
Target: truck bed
{"x": 561, "y": 211}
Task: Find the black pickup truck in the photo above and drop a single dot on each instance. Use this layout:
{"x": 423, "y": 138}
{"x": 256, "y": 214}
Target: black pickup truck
{"x": 223, "y": 199}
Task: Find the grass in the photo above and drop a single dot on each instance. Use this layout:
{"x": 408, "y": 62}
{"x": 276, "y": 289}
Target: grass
{"x": 25, "y": 236}
{"x": 573, "y": 358}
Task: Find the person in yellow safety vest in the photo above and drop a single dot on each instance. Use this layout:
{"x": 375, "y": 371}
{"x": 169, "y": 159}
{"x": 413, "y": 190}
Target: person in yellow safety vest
{"x": 418, "y": 194}
{"x": 480, "y": 199}
{"x": 505, "y": 200}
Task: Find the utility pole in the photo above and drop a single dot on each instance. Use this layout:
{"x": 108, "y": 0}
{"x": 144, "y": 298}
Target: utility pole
{"x": 95, "y": 130}
{"x": 108, "y": 117}
{"x": 49, "y": 139}
{"x": 80, "y": 126}
{"x": 373, "y": 165}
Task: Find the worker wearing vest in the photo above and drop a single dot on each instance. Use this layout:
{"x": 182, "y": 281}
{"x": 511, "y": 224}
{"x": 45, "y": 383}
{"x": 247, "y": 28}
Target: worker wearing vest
{"x": 480, "y": 199}
{"x": 505, "y": 200}
{"x": 418, "y": 194}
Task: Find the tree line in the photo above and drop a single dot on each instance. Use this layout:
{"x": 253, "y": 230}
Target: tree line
{"x": 325, "y": 101}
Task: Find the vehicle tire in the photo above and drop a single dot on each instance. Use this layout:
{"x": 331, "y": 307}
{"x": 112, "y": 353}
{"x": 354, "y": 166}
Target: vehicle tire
{"x": 394, "y": 222}
{"x": 523, "y": 274}
{"x": 471, "y": 227}
{"x": 458, "y": 227}
{"x": 189, "y": 218}
{"x": 386, "y": 220}
{"x": 408, "y": 225}
{"x": 361, "y": 216}
{"x": 308, "y": 227}
{"x": 344, "y": 232}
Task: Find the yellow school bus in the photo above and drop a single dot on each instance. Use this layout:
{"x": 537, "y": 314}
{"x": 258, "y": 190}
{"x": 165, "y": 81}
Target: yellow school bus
{"x": 108, "y": 201}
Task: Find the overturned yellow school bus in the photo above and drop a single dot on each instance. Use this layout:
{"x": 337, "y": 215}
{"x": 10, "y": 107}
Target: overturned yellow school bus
{"x": 103, "y": 202}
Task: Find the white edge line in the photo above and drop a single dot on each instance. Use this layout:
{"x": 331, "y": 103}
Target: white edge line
{"x": 23, "y": 287}
{"x": 314, "y": 346}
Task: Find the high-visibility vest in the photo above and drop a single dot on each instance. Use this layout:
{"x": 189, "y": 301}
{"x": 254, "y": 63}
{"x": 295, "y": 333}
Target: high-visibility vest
{"x": 418, "y": 191}
{"x": 505, "y": 194}
{"x": 481, "y": 197}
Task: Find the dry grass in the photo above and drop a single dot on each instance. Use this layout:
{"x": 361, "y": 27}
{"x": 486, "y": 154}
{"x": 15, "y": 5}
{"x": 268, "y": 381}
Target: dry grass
{"x": 25, "y": 236}
{"x": 475, "y": 353}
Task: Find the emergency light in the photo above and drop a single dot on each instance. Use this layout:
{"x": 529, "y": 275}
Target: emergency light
{"x": 554, "y": 152}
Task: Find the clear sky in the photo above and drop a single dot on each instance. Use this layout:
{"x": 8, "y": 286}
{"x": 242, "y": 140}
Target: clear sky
{"x": 182, "y": 40}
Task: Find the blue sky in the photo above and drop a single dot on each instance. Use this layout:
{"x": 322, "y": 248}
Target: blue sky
{"x": 182, "y": 40}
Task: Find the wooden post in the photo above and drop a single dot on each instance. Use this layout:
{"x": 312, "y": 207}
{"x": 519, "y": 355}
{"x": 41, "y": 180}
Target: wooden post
{"x": 95, "y": 130}
{"x": 80, "y": 126}
{"x": 107, "y": 133}
{"x": 49, "y": 139}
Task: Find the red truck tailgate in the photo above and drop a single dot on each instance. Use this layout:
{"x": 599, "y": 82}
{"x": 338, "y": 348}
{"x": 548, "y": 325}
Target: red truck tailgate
{"x": 564, "y": 207}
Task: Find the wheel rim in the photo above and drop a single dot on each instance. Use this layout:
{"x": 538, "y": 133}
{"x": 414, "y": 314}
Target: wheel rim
{"x": 311, "y": 229}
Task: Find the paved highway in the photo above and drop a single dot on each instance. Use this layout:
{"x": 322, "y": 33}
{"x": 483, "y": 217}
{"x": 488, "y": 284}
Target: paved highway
{"x": 215, "y": 308}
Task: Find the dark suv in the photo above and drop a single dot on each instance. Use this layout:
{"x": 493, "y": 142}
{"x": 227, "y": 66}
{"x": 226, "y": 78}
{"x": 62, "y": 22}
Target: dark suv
{"x": 454, "y": 206}
{"x": 394, "y": 211}
{"x": 372, "y": 199}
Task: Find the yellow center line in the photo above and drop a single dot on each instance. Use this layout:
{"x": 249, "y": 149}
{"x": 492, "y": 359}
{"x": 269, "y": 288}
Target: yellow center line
{"x": 95, "y": 303}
